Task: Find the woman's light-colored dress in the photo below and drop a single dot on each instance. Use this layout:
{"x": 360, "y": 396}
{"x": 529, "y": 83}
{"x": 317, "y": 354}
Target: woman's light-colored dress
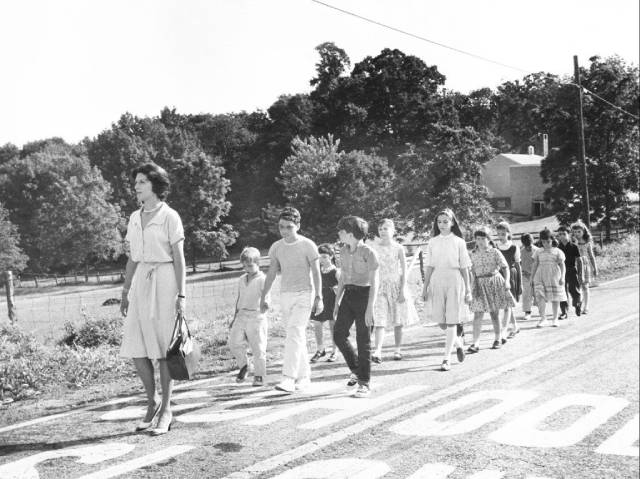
{"x": 152, "y": 298}
{"x": 388, "y": 312}
{"x": 447, "y": 255}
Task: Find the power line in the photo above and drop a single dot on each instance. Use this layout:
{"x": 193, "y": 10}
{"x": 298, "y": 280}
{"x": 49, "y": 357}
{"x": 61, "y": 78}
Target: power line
{"x": 389, "y": 27}
{"x": 622, "y": 110}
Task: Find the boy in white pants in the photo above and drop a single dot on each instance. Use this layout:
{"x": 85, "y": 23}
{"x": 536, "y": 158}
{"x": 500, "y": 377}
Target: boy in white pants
{"x": 297, "y": 259}
{"x": 249, "y": 323}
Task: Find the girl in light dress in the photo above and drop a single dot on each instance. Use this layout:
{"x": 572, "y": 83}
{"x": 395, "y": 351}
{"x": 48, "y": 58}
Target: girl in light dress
{"x": 446, "y": 281}
{"x": 394, "y": 308}
{"x": 491, "y": 290}
{"x": 547, "y": 278}
{"x": 511, "y": 254}
{"x": 582, "y": 237}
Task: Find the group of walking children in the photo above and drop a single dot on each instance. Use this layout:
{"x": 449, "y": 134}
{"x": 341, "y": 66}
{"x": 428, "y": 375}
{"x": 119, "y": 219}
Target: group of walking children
{"x": 369, "y": 289}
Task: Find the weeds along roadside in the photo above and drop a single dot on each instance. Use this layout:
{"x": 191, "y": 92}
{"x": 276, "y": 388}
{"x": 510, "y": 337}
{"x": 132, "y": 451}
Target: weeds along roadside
{"x": 83, "y": 365}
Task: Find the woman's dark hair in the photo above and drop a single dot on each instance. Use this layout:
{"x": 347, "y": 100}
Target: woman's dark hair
{"x": 289, "y": 213}
{"x": 455, "y": 227}
{"x": 586, "y": 234}
{"x": 157, "y": 176}
{"x": 326, "y": 248}
{"x": 526, "y": 239}
{"x": 355, "y": 225}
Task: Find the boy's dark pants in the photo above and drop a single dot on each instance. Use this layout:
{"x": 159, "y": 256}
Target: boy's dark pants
{"x": 352, "y": 308}
{"x": 572, "y": 286}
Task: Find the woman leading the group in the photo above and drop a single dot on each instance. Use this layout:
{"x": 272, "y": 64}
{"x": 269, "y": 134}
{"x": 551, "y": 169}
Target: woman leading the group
{"x": 154, "y": 290}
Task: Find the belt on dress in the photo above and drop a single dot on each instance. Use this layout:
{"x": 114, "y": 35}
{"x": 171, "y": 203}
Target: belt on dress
{"x": 490, "y": 275}
{"x": 355, "y": 287}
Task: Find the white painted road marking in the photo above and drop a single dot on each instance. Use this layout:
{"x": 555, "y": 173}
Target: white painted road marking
{"x": 137, "y": 463}
{"x": 622, "y": 442}
{"x": 347, "y": 468}
{"x": 135, "y": 412}
{"x": 337, "y": 436}
{"x": 427, "y": 424}
{"x": 523, "y": 431}
{"x": 25, "y": 468}
{"x": 435, "y": 470}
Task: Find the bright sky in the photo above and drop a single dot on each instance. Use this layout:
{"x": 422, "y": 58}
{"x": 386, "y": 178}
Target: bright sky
{"x": 72, "y": 67}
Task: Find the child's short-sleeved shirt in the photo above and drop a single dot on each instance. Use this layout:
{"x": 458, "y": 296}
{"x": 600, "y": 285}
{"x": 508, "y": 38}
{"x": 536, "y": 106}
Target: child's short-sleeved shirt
{"x": 527, "y": 258}
{"x": 355, "y": 266}
{"x": 447, "y": 252}
{"x": 293, "y": 261}
{"x": 250, "y": 292}
{"x": 153, "y": 244}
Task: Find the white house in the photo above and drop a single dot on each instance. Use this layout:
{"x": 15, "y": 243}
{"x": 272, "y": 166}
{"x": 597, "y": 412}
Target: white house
{"x": 514, "y": 183}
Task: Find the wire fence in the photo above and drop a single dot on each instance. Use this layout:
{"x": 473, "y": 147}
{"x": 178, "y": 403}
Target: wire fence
{"x": 211, "y": 296}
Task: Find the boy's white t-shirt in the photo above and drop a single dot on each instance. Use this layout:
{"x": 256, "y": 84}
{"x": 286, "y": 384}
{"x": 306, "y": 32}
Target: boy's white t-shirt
{"x": 293, "y": 261}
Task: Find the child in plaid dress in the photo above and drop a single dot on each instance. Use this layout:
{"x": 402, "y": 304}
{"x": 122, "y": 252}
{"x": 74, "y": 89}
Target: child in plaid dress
{"x": 548, "y": 278}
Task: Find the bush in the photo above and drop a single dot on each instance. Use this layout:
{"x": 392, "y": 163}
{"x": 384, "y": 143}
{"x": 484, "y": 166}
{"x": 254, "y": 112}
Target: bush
{"x": 93, "y": 333}
{"x": 28, "y": 368}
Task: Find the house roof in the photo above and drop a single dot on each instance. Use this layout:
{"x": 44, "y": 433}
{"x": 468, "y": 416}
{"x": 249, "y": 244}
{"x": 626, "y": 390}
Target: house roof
{"x": 523, "y": 160}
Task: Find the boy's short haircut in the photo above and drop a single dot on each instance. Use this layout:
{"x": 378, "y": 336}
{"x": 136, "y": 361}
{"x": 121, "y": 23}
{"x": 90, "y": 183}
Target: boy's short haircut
{"x": 326, "y": 248}
{"x": 354, "y": 225}
{"x": 250, "y": 255}
{"x": 289, "y": 213}
{"x": 563, "y": 229}
{"x": 386, "y": 221}
{"x": 526, "y": 239}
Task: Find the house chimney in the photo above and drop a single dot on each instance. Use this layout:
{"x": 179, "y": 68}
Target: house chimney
{"x": 545, "y": 145}
{"x": 531, "y": 150}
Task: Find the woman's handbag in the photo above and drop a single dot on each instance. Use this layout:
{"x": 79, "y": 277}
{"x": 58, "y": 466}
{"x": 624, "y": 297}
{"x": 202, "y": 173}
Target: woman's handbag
{"x": 183, "y": 352}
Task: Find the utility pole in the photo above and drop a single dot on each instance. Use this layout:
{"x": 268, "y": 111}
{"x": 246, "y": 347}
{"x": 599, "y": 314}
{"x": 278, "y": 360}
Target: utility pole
{"x": 581, "y": 147}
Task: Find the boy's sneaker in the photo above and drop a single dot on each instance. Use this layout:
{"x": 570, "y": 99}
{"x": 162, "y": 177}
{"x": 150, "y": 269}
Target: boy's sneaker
{"x": 287, "y": 385}
{"x": 460, "y": 354}
{"x": 353, "y": 380}
{"x": 258, "y": 381}
{"x": 527, "y": 316}
{"x": 302, "y": 384}
{"x": 242, "y": 374}
{"x": 317, "y": 355}
{"x": 362, "y": 392}
{"x": 578, "y": 309}
{"x": 563, "y": 315}
{"x": 332, "y": 357}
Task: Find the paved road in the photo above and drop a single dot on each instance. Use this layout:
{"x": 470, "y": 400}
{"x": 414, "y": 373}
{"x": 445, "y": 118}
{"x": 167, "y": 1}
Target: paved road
{"x": 553, "y": 403}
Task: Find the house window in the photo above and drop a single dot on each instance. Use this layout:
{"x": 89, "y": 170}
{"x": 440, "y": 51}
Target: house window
{"x": 501, "y": 203}
{"x": 538, "y": 208}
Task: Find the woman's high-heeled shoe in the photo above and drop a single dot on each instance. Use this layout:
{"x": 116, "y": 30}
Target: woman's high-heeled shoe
{"x": 160, "y": 430}
{"x": 144, "y": 425}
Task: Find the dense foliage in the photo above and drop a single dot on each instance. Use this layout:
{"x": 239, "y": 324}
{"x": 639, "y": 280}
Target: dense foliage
{"x": 380, "y": 138}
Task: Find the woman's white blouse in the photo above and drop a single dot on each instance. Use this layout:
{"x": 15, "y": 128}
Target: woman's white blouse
{"x": 153, "y": 244}
{"x": 447, "y": 252}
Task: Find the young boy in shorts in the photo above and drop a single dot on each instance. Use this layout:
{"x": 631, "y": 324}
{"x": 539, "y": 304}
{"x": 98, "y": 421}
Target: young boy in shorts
{"x": 295, "y": 257}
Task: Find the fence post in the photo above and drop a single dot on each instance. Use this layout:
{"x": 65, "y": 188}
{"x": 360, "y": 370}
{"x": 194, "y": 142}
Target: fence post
{"x": 55, "y": 276}
{"x": 35, "y": 279}
{"x": 11, "y": 306}
{"x": 600, "y": 239}
{"x": 98, "y": 276}
{"x": 421, "y": 258}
